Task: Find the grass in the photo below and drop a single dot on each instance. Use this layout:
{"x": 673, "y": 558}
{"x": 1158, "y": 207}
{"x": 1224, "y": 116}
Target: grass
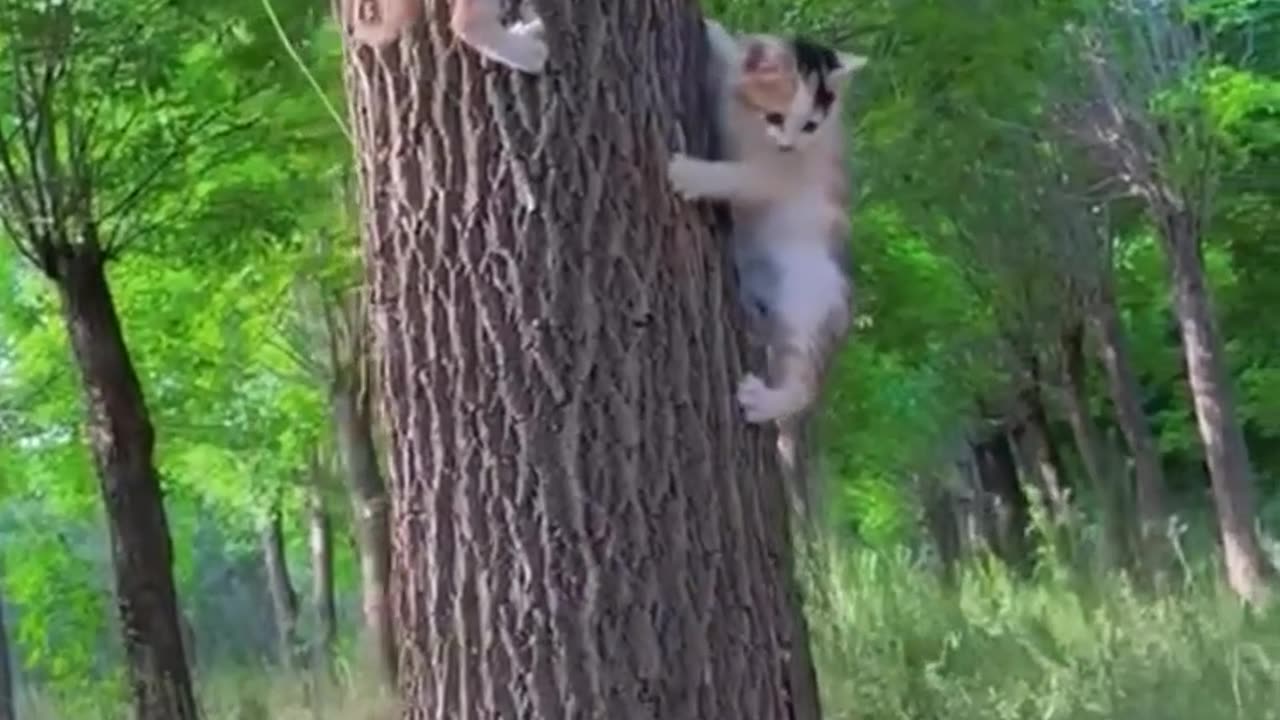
{"x": 892, "y": 643}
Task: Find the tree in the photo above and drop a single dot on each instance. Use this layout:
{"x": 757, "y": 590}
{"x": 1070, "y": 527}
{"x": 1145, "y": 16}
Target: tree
{"x": 582, "y": 525}
{"x": 7, "y": 711}
{"x": 67, "y": 211}
{"x": 329, "y": 341}
{"x": 284, "y": 599}
{"x": 320, "y": 541}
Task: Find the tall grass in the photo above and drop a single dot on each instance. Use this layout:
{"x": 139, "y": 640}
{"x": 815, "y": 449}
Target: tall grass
{"x": 893, "y": 643}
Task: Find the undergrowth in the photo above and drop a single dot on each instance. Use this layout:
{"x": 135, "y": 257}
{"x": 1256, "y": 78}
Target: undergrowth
{"x": 893, "y": 642}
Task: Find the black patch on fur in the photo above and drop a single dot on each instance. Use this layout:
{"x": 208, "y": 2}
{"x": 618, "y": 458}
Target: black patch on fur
{"x": 814, "y": 62}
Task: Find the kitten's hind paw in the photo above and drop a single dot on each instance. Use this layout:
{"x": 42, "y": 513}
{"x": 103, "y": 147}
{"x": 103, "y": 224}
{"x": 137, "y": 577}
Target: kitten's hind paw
{"x": 760, "y": 403}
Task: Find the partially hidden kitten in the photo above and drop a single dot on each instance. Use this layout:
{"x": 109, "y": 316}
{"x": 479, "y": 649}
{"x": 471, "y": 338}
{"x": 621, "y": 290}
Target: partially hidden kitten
{"x": 478, "y": 23}
{"x": 786, "y": 185}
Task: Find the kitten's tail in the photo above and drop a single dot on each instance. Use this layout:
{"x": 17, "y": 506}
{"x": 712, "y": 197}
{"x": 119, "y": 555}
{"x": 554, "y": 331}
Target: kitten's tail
{"x": 797, "y": 470}
{"x": 724, "y": 46}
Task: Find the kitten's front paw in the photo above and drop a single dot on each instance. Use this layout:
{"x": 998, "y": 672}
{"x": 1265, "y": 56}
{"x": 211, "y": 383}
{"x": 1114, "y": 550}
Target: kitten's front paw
{"x": 686, "y": 177}
{"x": 525, "y": 51}
{"x": 760, "y": 403}
{"x": 530, "y": 27}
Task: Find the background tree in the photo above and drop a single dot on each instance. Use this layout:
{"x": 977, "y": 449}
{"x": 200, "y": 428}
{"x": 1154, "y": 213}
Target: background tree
{"x": 6, "y": 670}
{"x": 68, "y": 217}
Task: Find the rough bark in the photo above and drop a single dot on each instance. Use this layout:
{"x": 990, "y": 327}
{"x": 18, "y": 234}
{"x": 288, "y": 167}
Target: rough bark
{"x": 1106, "y": 487}
{"x": 1248, "y": 571}
{"x": 1123, "y": 387}
{"x": 122, "y": 441}
{"x": 583, "y": 526}
{"x": 7, "y": 711}
{"x": 998, "y": 475}
{"x": 320, "y": 537}
{"x": 284, "y": 599}
{"x": 353, "y": 422}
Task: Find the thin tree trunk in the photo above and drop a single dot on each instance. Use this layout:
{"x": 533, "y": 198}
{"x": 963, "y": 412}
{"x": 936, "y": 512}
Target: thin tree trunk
{"x": 1042, "y": 450}
{"x": 944, "y": 527}
{"x": 122, "y": 441}
{"x": 1108, "y": 490}
{"x": 1122, "y": 382}
{"x": 583, "y": 524}
{"x": 998, "y": 475}
{"x": 1248, "y": 572}
{"x": 7, "y": 704}
{"x": 321, "y": 542}
{"x": 284, "y": 599}
{"x": 353, "y": 423}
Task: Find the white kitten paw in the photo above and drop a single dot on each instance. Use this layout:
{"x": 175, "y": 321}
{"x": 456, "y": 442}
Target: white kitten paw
{"x": 686, "y": 176}
{"x": 526, "y": 52}
{"x": 531, "y": 28}
{"x": 760, "y": 403}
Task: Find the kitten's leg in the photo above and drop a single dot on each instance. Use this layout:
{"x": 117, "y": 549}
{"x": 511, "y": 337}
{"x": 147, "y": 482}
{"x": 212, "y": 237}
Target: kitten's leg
{"x": 478, "y": 24}
{"x": 810, "y": 320}
{"x": 796, "y": 390}
{"x": 693, "y": 179}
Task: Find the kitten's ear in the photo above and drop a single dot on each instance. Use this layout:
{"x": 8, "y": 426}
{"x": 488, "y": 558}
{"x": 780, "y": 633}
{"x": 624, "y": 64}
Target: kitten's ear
{"x": 760, "y": 58}
{"x": 848, "y": 63}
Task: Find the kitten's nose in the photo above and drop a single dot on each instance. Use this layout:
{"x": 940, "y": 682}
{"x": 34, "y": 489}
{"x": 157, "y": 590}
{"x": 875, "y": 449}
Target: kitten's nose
{"x": 786, "y": 146}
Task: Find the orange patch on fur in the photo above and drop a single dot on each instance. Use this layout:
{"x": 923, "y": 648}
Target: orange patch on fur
{"x": 768, "y": 92}
{"x": 768, "y": 81}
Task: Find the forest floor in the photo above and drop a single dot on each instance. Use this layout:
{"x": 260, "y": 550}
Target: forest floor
{"x": 891, "y": 641}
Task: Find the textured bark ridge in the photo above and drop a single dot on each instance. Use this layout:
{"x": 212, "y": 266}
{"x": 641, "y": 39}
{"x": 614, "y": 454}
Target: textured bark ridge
{"x": 583, "y": 526}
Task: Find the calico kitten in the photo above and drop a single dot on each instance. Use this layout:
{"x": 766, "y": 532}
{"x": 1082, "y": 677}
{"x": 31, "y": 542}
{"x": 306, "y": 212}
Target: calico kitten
{"x": 786, "y": 185}
{"x": 478, "y": 23}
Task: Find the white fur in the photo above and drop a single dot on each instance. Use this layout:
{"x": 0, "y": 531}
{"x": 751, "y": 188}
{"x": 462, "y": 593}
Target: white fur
{"x": 781, "y": 184}
{"x": 478, "y": 23}
{"x": 521, "y": 46}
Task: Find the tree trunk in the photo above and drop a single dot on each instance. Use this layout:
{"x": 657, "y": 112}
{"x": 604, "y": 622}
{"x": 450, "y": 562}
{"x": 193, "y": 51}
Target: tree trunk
{"x": 122, "y": 441}
{"x": 998, "y": 476}
{"x": 7, "y": 704}
{"x": 943, "y": 526}
{"x": 284, "y": 599}
{"x": 1108, "y": 490}
{"x": 353, "y": 423}
{"x": 321, "y": 542}
{"x": 1042, "y": 451}
{"x": 1248, "y": 572}
{"x": 583, "y": 524}
{"x": 1122, "y": 382}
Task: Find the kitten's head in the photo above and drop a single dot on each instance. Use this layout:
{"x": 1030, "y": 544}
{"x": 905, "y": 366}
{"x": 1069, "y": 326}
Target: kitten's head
{"x": 792, "y": 85}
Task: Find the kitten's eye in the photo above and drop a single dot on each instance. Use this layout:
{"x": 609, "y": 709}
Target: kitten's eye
{"x": 774, "y": 118}
{"x": 810, "y": 126}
